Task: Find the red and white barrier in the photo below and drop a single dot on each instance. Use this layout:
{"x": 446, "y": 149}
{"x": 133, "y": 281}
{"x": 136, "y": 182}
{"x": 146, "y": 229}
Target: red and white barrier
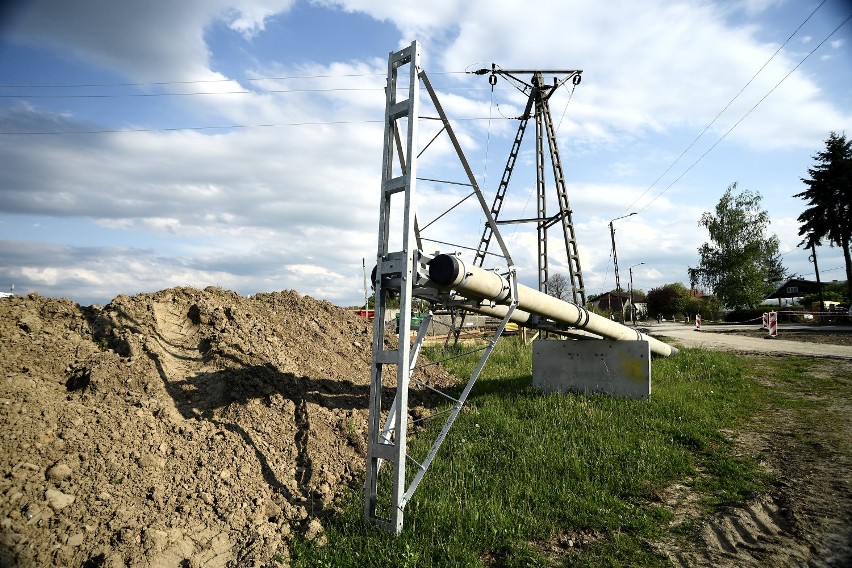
{"x": 697, "y": 322}
{"x": 765, "y": 323}
{"x": 773, "y": 324}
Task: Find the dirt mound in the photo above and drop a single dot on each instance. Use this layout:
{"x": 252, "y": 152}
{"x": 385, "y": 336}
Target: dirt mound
{"x": 184, "y": 427}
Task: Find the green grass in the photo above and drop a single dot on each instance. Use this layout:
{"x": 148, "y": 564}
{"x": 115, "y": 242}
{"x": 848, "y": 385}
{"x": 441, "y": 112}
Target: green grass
{"x": 815, "y": 392}
{"x": 520, "y": 467}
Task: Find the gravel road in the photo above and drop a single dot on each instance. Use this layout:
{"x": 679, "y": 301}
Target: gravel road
{"x": 714, "y": 337}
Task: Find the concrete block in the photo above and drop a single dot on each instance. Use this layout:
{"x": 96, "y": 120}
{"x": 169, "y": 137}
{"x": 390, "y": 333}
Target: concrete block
{"x": 618, "y": 368}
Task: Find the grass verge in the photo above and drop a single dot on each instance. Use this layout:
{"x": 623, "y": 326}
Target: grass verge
{"x": 521, "y": 470}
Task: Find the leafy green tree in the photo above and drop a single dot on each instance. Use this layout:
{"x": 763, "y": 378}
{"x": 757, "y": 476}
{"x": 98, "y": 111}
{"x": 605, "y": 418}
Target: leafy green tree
{"x": 711, "y": 308}
{"x": 669, "y": 300}
{"x": 832, "y": 292}
{"x": 742, "y": 262}
{"x": 559, "y": 286}
{"x": 392, "y": 303}
{"x": 829, "y": 196}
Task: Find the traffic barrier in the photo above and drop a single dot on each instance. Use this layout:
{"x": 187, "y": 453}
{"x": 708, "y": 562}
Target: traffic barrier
{"x": 697, "y": 322}
{"x": 773, "y": 324}
{"x": 765, "y": 321}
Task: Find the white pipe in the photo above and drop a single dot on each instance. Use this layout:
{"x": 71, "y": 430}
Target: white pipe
{"x": 521, "y": 317}
{"x": 450, "y": 272}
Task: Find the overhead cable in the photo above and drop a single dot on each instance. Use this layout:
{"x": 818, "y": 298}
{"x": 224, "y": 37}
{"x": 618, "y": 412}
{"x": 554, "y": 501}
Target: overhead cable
{"x": 178, "y": 129}
{"x": 737, "y": 123}
{"x": 198, "y": 81}
{"x": 213, "y": 127}
{"x": 192, "y": 94}
{"x": 712, "y": 122}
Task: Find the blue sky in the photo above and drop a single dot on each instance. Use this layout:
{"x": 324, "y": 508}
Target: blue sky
{"x": 119, "y": 174}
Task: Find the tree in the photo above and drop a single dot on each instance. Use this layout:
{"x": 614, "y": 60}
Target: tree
{"x": 559, "y": 286}
{"x": 742, "y": 262}
{"x": 829, "y": 197}
{"x": 668, "y": 300}
{"x": 392, "y": 301}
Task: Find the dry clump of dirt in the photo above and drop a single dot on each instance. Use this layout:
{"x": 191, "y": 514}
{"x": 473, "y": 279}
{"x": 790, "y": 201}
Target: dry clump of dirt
{"x": 183, "y": 427}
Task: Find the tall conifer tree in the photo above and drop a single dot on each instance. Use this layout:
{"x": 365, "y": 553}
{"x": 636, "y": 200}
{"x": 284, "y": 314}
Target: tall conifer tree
{"x": 829, "y": 196}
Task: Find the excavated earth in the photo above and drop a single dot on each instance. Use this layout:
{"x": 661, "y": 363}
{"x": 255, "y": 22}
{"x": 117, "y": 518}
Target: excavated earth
{"x": 179, "y": 428}
{"x": 201, "y": 428}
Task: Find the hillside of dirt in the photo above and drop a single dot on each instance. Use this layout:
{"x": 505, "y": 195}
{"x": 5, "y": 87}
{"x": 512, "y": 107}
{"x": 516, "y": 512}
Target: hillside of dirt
{"x": 179, "y": 428}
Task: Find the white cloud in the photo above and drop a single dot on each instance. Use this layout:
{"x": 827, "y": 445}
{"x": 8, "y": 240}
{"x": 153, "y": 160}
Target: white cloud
{"x": 296, "y": 206}
{"x": 155, "y": 40}
{"x": 649, "y": 67}
{"x": 755, "y": 7}
{"x": 249, "y": 18}
{"x": 414, "y": 19}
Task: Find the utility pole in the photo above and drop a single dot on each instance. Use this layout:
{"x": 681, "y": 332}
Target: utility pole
{"x": 615, "y": 261}
{"x": 813, "y": 259}
{"x": 632, "y": 305}
{"x": 539, "y": 92}
{"x": 366, "y": 301}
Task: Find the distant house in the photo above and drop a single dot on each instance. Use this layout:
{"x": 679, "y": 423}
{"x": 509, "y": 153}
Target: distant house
{"x": 613, "y": 301}
{"x": 641, "y": 310}
{"x": 5, "y": 295}
{"x": 793, "y": 290}
{"x": 616, "y": 302}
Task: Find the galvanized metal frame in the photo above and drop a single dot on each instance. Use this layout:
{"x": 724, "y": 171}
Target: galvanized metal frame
{"x": 404, "y": 272}
{"x": 397, "y": 265}
{"x": 544, "y": 128}
{"x": 399, "y": 271}
{"x": 578, "y": 289}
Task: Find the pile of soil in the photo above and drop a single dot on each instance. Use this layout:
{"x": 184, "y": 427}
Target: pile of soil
{"x": 180, "y": 428}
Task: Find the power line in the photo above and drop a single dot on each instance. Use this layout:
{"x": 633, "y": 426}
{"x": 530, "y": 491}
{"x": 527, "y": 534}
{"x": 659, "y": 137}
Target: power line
{"x": 177, "y": 129}
{"x": 706, "y": 128}
{"x": 197, "y": 93}
{"x": 142, "y": 95}
{"x": 826, "y": 270}
{"x": 737, "y": 123}
{"x": 213, "y": 127}
{"x": 199, "y": 81}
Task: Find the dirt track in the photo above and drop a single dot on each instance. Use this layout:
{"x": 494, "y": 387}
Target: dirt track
{"x": 751, "y": 340}
{"x": 181, "y": 428}
{"x": 806, "y": 520}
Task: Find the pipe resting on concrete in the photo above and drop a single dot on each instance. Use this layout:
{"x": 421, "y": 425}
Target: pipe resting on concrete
{"x": 452, "y": 273}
